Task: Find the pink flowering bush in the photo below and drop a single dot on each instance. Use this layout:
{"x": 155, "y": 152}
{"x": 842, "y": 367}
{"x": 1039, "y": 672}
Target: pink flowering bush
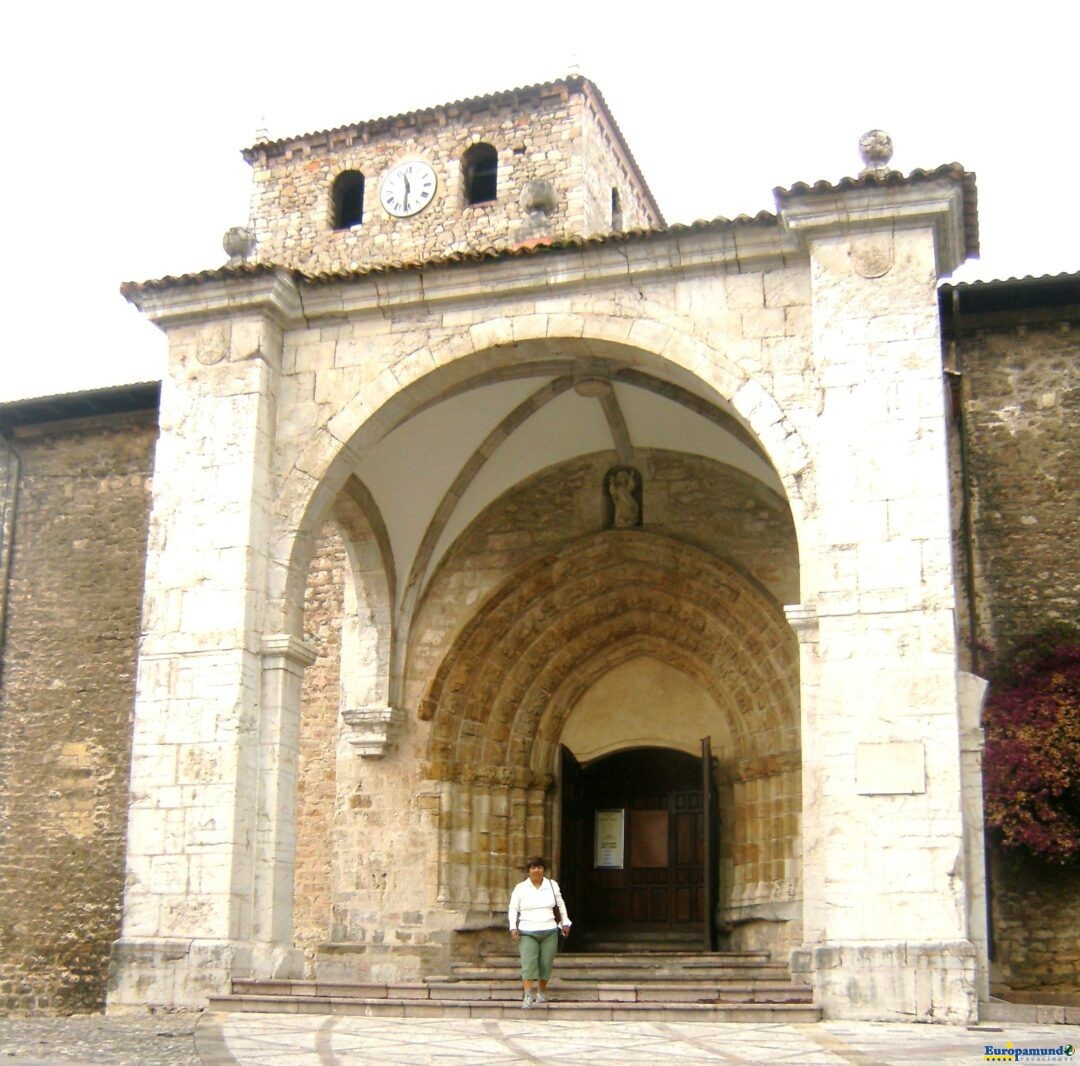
{"x": 1031, "y": 763}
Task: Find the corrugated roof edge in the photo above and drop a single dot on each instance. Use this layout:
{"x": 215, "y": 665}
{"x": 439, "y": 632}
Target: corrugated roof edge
{"x": 131, "y": 288}
{"x": 573, "y": 83}
{"x": 111, "y": 399}
{"x": 1026, "y": 279}
{"x": 953, "y": 171}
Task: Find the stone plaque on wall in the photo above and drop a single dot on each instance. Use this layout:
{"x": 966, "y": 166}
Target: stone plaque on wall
{"x": 890, "y": 769}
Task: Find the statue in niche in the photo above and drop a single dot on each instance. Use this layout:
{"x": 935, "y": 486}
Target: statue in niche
{"x": 622, "y": 503}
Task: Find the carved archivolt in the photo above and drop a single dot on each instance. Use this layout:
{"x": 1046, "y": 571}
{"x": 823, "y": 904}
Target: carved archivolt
{"x": 506, "y": 686}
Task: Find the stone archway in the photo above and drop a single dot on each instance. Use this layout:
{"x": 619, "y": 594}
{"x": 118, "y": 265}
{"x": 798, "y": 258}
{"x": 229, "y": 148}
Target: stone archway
{"x": 502, "y": 694}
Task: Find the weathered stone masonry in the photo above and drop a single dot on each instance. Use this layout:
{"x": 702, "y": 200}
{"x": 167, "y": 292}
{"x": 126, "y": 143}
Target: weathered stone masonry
{"x": 561, "y": 135}
{"x": 288, "y": 386}
{"x": 1012, "y": 348}
{"x": 80, "y": 496}
{"x": 380, "y": 586}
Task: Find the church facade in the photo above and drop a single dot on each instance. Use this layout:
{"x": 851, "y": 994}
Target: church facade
{"x": 490, "y": 515}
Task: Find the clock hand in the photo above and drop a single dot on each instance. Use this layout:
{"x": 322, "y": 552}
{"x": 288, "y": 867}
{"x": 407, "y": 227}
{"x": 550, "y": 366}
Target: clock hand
{"x": 405, "y": 179}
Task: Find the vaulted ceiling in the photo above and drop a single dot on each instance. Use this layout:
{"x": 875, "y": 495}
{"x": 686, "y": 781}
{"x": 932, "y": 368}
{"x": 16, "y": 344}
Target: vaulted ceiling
{"x": 439, "y": 467}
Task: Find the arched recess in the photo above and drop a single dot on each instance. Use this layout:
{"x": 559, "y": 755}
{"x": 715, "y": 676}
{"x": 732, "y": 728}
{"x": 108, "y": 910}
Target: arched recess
{"x": 534, "y": 346}
{"x": 498, "y": 702}
{"x": 368, "y": 621}
{"x": 348, "y": 622}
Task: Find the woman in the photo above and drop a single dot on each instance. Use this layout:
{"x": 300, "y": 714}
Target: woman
{"x": 537, "y": 918}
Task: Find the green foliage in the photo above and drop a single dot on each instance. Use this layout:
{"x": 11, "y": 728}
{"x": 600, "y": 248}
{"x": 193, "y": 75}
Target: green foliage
{"x": 1031, "y": 763}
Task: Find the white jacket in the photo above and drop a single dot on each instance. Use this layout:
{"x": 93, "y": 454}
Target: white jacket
{"x": 531, "y": 907}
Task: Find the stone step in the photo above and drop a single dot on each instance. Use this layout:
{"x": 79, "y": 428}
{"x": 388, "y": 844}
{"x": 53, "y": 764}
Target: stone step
{"x": 652, "y": 958}
{"x": 673, "y": 962}
{"x": 510, "y": 991}
{"x": 594, "y": 940}
{"x": 406, "y": 1007}
{"x": 633, "y": 968}
{"x": 627, "y": 973}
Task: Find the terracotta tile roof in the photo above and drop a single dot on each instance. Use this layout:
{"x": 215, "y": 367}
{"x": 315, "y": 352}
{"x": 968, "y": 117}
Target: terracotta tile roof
{"x": 554, "y": 244}
{"x": 763, "y": 218}
{"x": 169, "y": 281}
{"x": 472, "y": 255}
{"x": 952, "y": 171}
{"x": 519, "y": 97}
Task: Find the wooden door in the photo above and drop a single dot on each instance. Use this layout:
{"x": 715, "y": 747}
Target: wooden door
{"x": 572, "y": 857}
{"x": 710, "y": 848}
{"x": 661, "y": 883}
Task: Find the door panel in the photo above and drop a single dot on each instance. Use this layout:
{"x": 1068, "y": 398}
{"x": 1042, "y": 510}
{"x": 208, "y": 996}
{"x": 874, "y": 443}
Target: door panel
{"x": 572, "y": 856}
{"x": 710, "y": 852}
{"x": 649, "y": 838}
{"x": 662, "y": 882}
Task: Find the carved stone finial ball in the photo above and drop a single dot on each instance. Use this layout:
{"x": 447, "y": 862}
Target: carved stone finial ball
{"x": 538, "y": 196}
{"x": 876, "y": 149}
{"x": 239, "y": 243}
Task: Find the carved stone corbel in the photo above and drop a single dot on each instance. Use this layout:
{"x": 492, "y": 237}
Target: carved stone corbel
{"x": 372, "y": 729}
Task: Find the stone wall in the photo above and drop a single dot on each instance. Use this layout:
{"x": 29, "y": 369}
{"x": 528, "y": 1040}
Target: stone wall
{"x": 1035, "y": 912}
{"x": 1021, "y": 398}
{"x": 564, "y": 140}
{"x": 73, "y": 602}
{"x": 316, "y": 792}
{"x": 1014, "y": 449}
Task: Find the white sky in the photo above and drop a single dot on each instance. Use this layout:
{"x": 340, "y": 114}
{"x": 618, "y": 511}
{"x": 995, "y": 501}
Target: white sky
{"x": 125, "y": 123}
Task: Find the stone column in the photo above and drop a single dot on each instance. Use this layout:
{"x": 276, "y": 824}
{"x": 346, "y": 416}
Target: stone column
{"x": 208, "y": 806}
{"x": 284, "y": 659}
{"x": 885, "y": 866}
{"x": 517, "y": 833}
{"x": 480, "y": 857}
{"x": 499, "y": 872}
{"x": 972, "y": 692}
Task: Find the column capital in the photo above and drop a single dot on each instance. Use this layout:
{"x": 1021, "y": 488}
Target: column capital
{"x": 287, "y": 648}
{"x": 803, "y": 619}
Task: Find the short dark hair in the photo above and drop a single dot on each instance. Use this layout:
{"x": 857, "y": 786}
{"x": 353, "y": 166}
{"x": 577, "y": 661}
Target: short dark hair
{"x": 535, "y": 860}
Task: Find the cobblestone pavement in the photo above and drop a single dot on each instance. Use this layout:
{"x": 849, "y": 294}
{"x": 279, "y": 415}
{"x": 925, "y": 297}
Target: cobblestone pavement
{"x": 93, "y": 1040}
{"x": 186, "y": 1039}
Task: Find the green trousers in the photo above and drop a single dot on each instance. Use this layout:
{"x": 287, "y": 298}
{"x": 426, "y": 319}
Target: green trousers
{"x": 537, "y": 954}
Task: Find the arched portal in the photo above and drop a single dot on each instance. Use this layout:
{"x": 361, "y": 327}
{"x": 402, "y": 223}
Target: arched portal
{"x": 505, "y": 691}
{"x": 491, "y": 498}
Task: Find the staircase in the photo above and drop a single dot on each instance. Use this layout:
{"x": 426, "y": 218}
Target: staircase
{"x": 643, "y": 986}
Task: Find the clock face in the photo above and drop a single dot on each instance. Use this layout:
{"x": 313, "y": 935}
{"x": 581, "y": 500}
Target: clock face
{"x": 408, "y": 188}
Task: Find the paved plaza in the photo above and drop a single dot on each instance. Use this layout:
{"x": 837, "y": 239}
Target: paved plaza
{"x": 318, "y": 1040}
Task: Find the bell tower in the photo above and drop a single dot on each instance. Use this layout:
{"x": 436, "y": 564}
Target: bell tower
{"x": 532, "y": 165}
